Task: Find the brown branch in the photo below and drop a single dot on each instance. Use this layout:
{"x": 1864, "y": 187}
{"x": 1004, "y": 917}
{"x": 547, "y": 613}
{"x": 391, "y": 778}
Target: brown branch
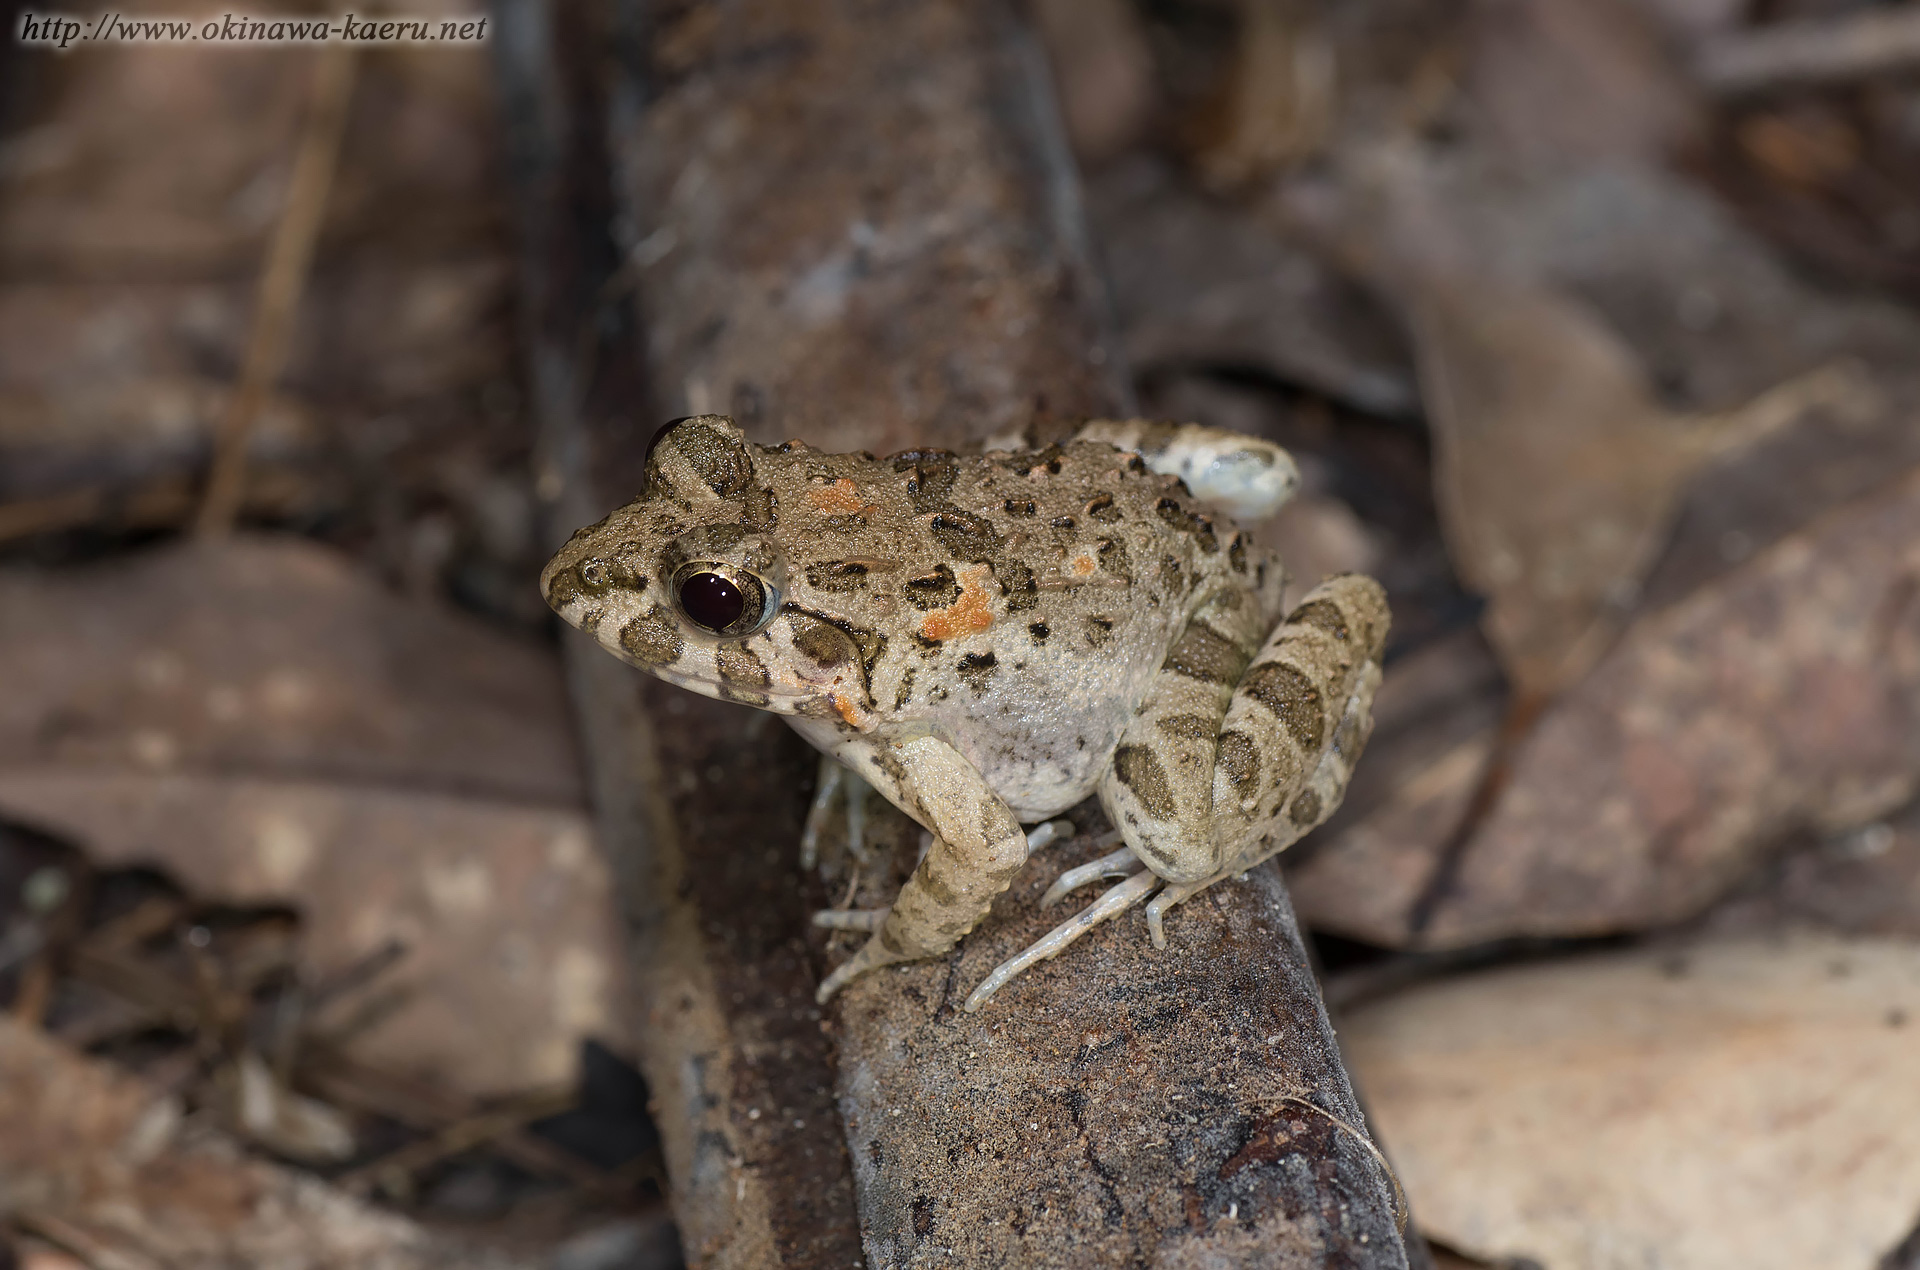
{"x": 1803, "y": 54}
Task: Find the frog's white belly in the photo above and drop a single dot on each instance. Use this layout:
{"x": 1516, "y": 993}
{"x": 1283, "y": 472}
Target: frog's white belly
{"x": 1041, "y": 732}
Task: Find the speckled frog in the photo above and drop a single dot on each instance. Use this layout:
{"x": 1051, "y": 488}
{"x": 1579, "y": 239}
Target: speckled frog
{"x": 986, "y": 639}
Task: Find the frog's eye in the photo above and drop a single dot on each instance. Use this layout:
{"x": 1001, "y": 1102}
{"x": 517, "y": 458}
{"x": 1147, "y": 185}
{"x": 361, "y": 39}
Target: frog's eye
{"x": 595, "y": 574}
{"x": 724, "y": 600}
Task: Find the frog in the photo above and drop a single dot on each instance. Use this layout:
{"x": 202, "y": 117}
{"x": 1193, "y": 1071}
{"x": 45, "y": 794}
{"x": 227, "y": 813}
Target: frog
{"x": 987, "y": 639}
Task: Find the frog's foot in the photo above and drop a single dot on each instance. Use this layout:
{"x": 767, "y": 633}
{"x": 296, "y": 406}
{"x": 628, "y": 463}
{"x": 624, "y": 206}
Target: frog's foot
{"x": 1116, "y": 901}
{"x": 837, "y": 781}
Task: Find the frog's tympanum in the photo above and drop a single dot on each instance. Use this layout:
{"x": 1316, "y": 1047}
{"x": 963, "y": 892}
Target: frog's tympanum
{"x": 986, "y": 639}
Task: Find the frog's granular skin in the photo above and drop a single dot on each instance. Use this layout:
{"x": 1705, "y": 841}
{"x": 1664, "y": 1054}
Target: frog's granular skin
{"x": 857, "y": 224}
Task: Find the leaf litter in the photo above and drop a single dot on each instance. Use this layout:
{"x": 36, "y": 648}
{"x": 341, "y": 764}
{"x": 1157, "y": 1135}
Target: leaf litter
{"x": 1668, "y": 451}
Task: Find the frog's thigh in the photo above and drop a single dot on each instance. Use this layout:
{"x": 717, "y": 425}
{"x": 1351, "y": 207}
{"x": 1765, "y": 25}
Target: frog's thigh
{"x": 1298, "y": 720}
{"x": 977, "y": 848}
{"x": 1159, "y": 790}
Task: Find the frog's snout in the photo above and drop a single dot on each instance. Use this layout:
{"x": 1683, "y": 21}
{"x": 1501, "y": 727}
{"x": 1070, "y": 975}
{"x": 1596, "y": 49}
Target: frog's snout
{"x": 581, "y": 585}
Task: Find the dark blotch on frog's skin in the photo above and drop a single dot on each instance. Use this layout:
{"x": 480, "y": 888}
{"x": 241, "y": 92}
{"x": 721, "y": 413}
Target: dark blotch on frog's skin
{"x": 652, "y": 638}
{"x": 1137, "y": 767}
{"x": 564, "y": 589}
{"x": 837, "y": 575}
{"x": 978, "y": 669}
{"x": 1292, "y": 698}
{"x": 1305, "y": 810}
{"x": 1322, "y": 615}
{"x": 1170, "y": 511}
{"x": 1039, "y": 631}
{"x": 1099, "y": 630}
{"x": 1191, "y": 727}
{"x": 1238, "y": 760}
{"x": 739, "y": 665}
{"x": 966, "y": 536}
{"x": 1017, "y": 584}
{"x": 934, "y": 590}
{"x": 931, "y": 474}
{"x": 721, "y": 461}
{"x": 820, "y": 643}
{"x": 1204, "y": 654}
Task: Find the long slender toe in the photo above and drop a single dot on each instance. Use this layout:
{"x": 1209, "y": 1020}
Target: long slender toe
{"x": 1119, "y": 864}
{"x": 1116, "y": 901}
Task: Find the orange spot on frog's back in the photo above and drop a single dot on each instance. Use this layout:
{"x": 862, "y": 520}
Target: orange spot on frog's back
{"x": 973, "y": 611}
{"x": 842, "y": 498}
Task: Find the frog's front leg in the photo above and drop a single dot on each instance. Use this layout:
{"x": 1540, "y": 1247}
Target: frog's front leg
{"x": 978, "y": 847}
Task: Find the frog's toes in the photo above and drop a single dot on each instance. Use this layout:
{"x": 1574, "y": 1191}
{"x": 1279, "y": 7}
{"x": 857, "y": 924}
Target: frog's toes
{"x": 1119, "y": 864}
{"x": 1116, "y": 901}
{"x": 837, "y": 784}
{"x": 1046, "y": 835}
{"x": 1174, "y": 894}
{"x": 873, "y": 954}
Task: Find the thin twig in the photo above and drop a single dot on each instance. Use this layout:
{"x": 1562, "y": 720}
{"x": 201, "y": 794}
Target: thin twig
{"x": 281, "y": 284}
{"x": 157, "y": 503}
{"x": 462, "y": 1135}
{"x": 1799, "y": 54}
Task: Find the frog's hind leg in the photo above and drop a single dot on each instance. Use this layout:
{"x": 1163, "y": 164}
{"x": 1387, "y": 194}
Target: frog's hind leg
{"x": 1286, "y": 757}
{"x": 1204, "y": 795}
{"x": 1318, "y": 799}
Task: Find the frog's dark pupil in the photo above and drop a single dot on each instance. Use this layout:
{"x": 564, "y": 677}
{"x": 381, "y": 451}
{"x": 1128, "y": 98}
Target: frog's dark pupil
{"x": 712, "y": 601}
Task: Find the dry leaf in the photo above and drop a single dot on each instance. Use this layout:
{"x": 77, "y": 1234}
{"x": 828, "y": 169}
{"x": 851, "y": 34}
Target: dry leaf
{"x": 1784, "y": 696}
{"x": 1195, "y": 282}
{"x": 1103, "y": 72}
{"x": 1557, "y": 473}
{"x": 265, "y": 1111}
{"x": 1744, "y": 1104}
{"x": 90, "y": 1158}
{"x": 1276, "y": 105}
{"x": 271, "y": 727}
{"x": 1589, "y": 79}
